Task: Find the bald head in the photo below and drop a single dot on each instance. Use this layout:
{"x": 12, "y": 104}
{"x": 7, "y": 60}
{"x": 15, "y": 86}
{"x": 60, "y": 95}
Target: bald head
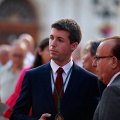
{"x": 29, "y": 41}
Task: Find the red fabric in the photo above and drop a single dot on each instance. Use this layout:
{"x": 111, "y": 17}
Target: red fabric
{"x": 12, "y": 99}
{"x": 59, "y": 85}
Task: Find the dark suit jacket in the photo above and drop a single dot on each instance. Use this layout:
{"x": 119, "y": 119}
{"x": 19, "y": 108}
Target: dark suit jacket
{"x": 79, "y": 101}
{"x": 109, "y": 106}
{"x": 101, "y": 86}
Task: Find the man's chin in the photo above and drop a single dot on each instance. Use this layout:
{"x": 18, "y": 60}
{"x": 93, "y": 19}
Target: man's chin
{"x": 53, "y": 57}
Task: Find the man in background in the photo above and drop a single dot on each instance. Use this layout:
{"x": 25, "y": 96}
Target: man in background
{"x": 9, "y": 76}
{"x": 4, "y": 56}
{"x": 29, "y": 41}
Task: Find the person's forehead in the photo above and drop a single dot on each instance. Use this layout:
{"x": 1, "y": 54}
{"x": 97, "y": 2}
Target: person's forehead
{"x": 17, "y": 48}
{"x": 59, "y": 32}
{"x": 105, "y": 47}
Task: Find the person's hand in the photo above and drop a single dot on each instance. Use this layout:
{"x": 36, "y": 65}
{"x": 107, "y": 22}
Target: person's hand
{"x": 44, "y": 116}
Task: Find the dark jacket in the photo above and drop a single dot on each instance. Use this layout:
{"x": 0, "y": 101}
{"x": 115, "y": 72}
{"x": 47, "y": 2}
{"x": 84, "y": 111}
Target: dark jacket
{"x": 79, "y": 101}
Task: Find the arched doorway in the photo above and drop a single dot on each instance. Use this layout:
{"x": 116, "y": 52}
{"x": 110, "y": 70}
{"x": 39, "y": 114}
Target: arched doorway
{"x": 17, "y": 17}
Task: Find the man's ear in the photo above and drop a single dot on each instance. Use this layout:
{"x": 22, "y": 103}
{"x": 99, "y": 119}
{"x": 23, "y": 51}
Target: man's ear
{"x": 114, "y": 62}
{"x": 74, "y": 46}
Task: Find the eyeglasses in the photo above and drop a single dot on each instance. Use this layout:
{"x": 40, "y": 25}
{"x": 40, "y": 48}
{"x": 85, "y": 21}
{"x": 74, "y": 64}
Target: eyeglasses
{"x": 97, "y": 58}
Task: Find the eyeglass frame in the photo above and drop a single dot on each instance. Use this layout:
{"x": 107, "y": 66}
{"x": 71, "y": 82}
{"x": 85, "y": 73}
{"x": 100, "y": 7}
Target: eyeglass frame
{"x": 97, "y": 58}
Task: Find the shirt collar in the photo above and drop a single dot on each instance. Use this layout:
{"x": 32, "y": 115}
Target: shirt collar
{"x": 66, "y": 67}
{"x": 112, "y": 79}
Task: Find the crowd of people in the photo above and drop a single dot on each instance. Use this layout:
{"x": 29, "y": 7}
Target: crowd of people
{"x": 15, "y": 60}
{"x": 48, "y": 83}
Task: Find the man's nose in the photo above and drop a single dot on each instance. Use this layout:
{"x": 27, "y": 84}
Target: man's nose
{"x": 53, "y": 42}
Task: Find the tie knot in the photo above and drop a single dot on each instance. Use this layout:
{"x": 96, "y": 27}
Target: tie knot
{"x": 60, "y": 70}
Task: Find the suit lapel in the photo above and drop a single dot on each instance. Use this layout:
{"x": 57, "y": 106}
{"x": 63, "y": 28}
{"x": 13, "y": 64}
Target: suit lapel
{"x": 71, "y": 84}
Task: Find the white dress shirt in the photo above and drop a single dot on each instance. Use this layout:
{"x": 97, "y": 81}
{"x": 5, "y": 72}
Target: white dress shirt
{"x": 66, "y": 69}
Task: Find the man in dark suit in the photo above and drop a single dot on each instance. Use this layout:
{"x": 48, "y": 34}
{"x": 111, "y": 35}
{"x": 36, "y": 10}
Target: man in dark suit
{"x": 107, "y": 63}
{"x": 80, "y": 91}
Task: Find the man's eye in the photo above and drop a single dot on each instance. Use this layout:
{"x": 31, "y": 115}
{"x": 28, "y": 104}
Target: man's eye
{"x": 51, "y": 38}
{"x": 60, "y": 40}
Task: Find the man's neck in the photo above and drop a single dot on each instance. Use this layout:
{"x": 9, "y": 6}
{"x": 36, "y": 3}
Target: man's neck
{"x": 60, "y": 63}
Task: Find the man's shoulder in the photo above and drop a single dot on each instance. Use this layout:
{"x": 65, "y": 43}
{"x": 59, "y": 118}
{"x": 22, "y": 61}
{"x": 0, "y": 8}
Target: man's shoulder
{"x": 40, "y": 68}
{"x": 116, "y": 81}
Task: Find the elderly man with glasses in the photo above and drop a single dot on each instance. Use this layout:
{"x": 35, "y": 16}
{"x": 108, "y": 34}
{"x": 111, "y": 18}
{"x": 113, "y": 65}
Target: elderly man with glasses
{"x": 107, "y": 63}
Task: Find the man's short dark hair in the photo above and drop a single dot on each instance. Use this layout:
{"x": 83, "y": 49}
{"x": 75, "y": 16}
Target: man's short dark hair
{"x": 70, "y": 26}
